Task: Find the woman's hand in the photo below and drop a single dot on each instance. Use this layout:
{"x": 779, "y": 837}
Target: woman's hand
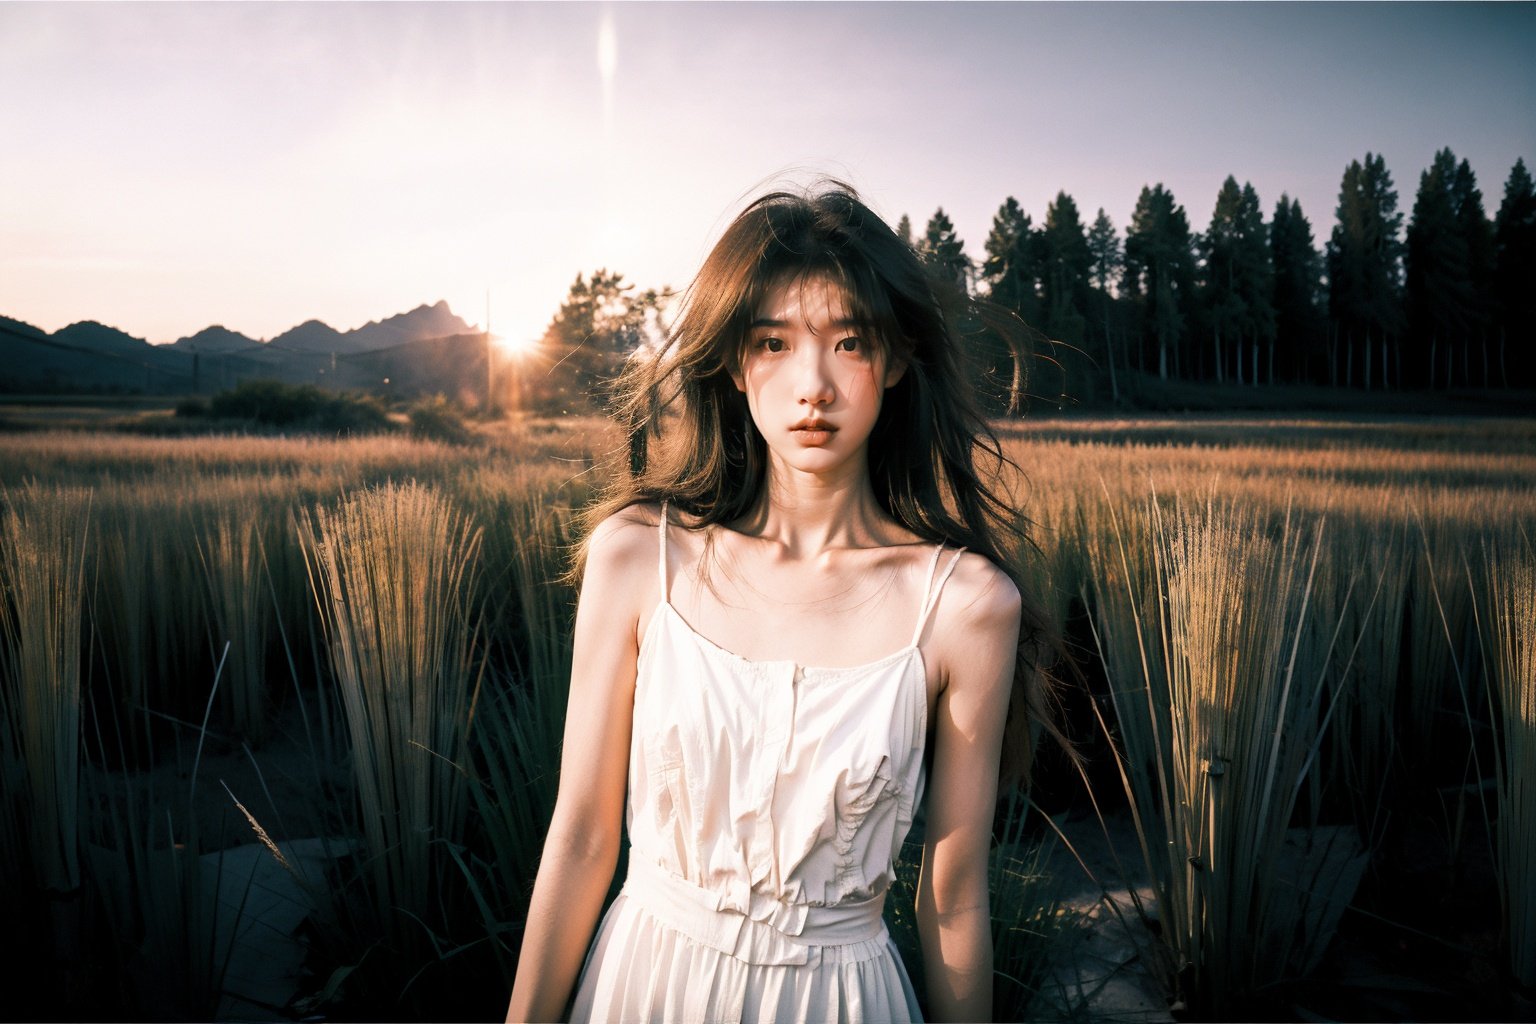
{"x": 583, "y": 842}
{"x": 974, "y": 645}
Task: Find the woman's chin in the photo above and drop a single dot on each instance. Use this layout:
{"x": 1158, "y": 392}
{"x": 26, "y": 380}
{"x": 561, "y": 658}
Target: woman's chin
{"x": 820, "y": 460}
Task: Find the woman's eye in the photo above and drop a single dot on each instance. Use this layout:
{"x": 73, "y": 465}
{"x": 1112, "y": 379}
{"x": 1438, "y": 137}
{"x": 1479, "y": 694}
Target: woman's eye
{"x": 851, "y": 345}
{"x": 773, "y": 344}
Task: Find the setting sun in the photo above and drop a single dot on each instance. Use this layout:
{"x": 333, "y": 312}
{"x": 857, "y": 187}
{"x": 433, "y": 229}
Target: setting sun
{"x": 515, "y": 346}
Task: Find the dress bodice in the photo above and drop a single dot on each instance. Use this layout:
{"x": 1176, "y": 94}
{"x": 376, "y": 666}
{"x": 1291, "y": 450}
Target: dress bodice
{"x": 776, "y": 786}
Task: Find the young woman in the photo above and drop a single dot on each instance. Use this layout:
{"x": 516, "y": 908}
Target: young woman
{"x": 794, "y": 627}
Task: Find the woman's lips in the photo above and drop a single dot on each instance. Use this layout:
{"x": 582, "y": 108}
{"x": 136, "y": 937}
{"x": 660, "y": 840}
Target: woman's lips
{"x": 812, "y": 433}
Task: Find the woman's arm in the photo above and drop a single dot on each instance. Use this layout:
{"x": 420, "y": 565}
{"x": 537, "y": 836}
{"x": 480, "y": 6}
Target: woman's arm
{"x": 583, "y": 842}
{"x": 975, "y": 641}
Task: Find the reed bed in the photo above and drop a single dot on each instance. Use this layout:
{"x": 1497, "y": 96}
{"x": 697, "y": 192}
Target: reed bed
{"x": 233, "y": 556}
{"x": 1283, "y": 612}
{"x": 43, "y": 560}
{"x": 394, "y": 571}
{"x": 1236, "y": 729}
{"x": 1509, "y": 572}
{"x": 520, "y": 725}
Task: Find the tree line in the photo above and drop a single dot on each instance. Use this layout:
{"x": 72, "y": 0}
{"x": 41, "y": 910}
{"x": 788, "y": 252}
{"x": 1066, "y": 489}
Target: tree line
{"x": 1448, "y": 303}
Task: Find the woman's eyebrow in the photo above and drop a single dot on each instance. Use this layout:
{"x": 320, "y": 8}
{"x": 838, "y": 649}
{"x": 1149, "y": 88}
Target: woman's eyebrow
{"x": 842, "y": 324}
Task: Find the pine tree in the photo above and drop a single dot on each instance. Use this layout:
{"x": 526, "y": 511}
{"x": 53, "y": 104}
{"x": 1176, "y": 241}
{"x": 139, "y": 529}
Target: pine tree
{"x": 904, "y": 229}
{"x": 1012, "y": 267}
{"x": 1104, "y": 248}
{"x": 1065, "y": 266}
{"x": 944, "y": 252}
{"x": 1438, "y": 287}
{"x": 1297, "y": 286}
{"x": 1365, "y": 264}
{"x": 1514, "y": 271}
{"x": 1255, "y": 283}
{"x": 1159, "y": 273}
{"x": 1477, "y": 238}
{"x": 1223, "y": 301}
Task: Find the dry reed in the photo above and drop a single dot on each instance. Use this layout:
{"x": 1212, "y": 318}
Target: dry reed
{"x": 1226, "y": 710}
{"x": 393, "y": 571}
{"x": 1509, "y": 578}
{"x": 43, "y": 557}
{"x": 233, "y": 557}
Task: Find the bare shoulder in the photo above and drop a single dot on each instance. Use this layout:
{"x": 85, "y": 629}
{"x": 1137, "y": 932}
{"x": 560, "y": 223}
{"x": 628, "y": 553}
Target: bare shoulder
{"x": 980, "y": 596}
{"x": 975, "y": 632}
{"x": 623, "y": 542}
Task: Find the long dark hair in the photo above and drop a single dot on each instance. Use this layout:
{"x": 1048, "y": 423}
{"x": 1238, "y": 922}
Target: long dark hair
{"x": 935, "y": 463}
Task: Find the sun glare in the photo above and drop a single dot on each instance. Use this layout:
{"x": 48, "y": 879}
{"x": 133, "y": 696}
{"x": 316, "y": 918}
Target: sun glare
{"x": 514, "y": 346}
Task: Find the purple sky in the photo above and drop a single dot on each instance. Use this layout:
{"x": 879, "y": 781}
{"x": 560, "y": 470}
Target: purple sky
{"x": 169, "y": 166}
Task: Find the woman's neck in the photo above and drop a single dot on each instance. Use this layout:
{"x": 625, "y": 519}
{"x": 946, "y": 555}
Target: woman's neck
{"x": 806, "y": 514}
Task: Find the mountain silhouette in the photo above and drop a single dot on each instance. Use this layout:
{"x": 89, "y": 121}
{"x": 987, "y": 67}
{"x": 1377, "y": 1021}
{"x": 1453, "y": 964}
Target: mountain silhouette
{"x": 311, "y": 336}
{"x": 435, "y": 321}
{"x": 215, "y": 339}
{"x": 421, "y": 323}
{"x": 91, "y": 335}
{"x": 90, "y": 357}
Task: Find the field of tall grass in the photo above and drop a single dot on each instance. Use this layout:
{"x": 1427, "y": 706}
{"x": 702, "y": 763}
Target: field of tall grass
{"x": 1306, "y": 670}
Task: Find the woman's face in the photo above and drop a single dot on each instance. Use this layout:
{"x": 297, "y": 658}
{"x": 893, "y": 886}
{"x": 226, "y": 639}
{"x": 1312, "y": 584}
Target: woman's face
{"x": 813, "y": 377}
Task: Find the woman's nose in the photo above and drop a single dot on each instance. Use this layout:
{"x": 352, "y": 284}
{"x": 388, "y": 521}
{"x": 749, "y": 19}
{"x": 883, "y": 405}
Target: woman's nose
{"x": 814, "y": 383}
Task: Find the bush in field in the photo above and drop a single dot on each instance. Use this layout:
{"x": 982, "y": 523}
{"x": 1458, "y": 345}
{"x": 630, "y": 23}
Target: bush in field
{"x": 271, "y": 404}
{"x": 436, "y": 419}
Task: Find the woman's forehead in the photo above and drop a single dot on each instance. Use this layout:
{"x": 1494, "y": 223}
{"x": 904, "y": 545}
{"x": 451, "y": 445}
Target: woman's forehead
{"x": 810, "y": 299}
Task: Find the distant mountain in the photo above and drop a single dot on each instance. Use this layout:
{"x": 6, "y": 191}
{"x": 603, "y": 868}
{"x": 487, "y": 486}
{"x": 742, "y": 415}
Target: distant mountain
{"x": 310, "y": 336}
{"x": 216, "y": 339}
{"x": 89, "y": 334}
{"x": 20, "y": 327}
{"x": 93, "y": 357}
{"x": 87, "y": 357}
{"x": 420, "y": 324}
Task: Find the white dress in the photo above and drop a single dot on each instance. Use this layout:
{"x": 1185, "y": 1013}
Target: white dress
{"x": 767, "y": 804}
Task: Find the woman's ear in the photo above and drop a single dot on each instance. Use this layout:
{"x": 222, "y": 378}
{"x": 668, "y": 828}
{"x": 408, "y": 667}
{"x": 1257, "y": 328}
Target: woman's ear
{"x": 894, "y": 371}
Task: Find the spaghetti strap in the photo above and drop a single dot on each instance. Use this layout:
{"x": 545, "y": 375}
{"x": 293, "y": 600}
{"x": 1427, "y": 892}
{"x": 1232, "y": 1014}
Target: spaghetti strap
{"x": 933, "y": 572}
{"x": 662, "y": 568}
{"x": 931, "y": 595}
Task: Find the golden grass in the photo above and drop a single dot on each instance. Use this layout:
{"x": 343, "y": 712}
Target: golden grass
{"x": 44, "y": 540}
{"x": 234, "y": 560}
{"x": 1220, "y": 700}
{"x": 394, "y": 571}
{"x": 1509, "y": 577}
{"x": 406, "y": 566}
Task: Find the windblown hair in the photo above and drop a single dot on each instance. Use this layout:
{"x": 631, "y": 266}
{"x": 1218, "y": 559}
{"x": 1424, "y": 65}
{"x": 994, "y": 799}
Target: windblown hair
{"x": 935, "y": 463}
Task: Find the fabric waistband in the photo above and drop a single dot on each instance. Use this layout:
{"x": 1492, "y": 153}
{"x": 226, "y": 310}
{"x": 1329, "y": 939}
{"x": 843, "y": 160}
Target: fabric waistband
{"x": 769, "y": 932}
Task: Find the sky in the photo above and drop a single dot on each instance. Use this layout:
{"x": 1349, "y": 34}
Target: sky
{"x": 165, "y": 167}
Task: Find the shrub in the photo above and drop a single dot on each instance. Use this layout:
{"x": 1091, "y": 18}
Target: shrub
{"x": 304, "y": 407}
{"x": 436, "y": 419}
